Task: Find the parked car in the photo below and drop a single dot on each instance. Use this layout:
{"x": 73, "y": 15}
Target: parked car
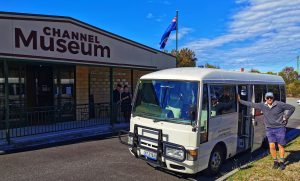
{"x": 298, "y": 102}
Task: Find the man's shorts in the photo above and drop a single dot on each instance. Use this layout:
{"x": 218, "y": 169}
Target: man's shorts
{"x": 276, "y": 135}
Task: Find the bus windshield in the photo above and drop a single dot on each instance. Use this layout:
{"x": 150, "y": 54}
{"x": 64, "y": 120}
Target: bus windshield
{"x": 166, "y": 100}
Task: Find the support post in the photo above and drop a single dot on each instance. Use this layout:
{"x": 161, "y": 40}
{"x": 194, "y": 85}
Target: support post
{"x": 6, "y": 104}
{"x": 132, "y": 83}
{"x": 176, "y": 32}
{"x": 59, "y": 93}
{"x": 298, "y": 64}
{"x": 111, "y": 82}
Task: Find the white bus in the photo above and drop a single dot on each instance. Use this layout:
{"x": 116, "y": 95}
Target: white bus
{"x": 188, "y": 119}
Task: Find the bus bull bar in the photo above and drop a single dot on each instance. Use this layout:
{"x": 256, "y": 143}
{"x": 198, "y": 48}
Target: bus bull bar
{"x": 161, "y": 145}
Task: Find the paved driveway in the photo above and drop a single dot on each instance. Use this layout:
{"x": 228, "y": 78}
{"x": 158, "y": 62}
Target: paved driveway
{"x": 97, "y": 159}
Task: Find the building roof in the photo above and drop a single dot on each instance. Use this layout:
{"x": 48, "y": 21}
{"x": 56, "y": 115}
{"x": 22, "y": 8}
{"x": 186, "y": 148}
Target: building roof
{"x": 16, "y": 15}
{"x": 99, "y": 47}
{"x": 212, "y": 75}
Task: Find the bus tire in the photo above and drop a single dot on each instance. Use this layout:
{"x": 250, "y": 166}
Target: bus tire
{"x": 216, "y": 160}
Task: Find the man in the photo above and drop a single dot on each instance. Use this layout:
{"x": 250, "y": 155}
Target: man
{"x": 116, "y": 103}
{"x": 275, "y": 121}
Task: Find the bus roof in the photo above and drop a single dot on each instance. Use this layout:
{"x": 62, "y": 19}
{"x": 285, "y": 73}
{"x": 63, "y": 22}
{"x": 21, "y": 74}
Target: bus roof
{"x": 213, "y": 75}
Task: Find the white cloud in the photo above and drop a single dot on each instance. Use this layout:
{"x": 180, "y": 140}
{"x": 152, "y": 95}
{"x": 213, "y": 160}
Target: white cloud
{"x": 166, "y": 2}
{"x": 158, "y": 18}
{"x": 264, "y": 32}
{"x": 181, "y": 33}
{"x": 149, "y": 16}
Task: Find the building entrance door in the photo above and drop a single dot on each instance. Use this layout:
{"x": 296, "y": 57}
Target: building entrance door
{"x": 39, "y": 85}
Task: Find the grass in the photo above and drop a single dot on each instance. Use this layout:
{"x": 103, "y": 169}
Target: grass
{"x": 262, "y": 169}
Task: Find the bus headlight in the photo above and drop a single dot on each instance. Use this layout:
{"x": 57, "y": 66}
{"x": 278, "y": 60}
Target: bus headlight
{"x": 175, "y": 153}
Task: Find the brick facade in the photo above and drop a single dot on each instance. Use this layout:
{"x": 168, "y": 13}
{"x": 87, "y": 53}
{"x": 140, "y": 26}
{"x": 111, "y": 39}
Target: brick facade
{"x": 138, "y": 74}
{"x": 122, "y": 76}
{"x": 82, "y": 84}
{"x": 95, "y": 81}
{"x": 99, "y": 84}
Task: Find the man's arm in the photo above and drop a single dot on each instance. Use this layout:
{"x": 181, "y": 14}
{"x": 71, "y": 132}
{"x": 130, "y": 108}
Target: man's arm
{"x": 250, "y": 104}
{"x": 288, "y": 108}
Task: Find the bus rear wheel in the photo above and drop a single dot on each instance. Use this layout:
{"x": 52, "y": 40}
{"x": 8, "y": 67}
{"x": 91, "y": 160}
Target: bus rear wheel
{"x": 215, "y": 161}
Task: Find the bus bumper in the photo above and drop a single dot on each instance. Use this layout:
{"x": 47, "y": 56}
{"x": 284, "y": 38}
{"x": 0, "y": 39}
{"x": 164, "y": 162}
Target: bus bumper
{"x": 159, "y": 158}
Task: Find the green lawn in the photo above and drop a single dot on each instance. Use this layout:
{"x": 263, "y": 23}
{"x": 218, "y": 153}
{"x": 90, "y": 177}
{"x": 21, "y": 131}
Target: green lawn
{"x": 262, "y": 169}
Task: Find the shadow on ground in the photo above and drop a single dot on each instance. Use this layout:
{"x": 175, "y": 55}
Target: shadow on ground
{"x": 293, "y": 157}
{"x": 63, "y": 143}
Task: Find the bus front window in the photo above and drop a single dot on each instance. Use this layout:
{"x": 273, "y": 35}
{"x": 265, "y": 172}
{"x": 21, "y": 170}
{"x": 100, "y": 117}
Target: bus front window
{"x": 173, "y": 101}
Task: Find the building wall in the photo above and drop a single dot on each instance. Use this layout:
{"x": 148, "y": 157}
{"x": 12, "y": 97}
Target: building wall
{"x": 82, "y": 84}
{"x": 138, "y": 74}
{"x": 99, "y": 84}
{"x": 122, "y": 76}
{"x": 95, "y": 81}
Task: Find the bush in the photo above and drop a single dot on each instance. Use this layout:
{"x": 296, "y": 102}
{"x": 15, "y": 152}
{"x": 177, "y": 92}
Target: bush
{"x": 293, "y": 88}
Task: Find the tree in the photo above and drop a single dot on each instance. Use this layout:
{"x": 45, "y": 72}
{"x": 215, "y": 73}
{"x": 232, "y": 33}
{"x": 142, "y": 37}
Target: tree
{"x": 207, "y": 65}
{"x": 254, "y": 71}
{"x": 271, "y": 73}
{"x": 185, "y": 58}
{"x": 293, "y": 88}
{"x": 289, "y": 75}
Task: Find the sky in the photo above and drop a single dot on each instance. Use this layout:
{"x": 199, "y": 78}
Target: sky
{"x": 232, "y": 34}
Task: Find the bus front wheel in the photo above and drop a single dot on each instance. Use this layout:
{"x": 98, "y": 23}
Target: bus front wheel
{"x": 215, "y": 161}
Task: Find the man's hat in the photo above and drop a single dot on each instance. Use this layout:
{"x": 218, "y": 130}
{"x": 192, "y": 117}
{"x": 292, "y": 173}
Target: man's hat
{"x": 269, "y": 94}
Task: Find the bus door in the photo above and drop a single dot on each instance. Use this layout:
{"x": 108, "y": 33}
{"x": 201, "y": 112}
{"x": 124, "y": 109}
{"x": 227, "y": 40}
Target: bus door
{"x": 244, "y": 119}
{"x": 258, "y": 131}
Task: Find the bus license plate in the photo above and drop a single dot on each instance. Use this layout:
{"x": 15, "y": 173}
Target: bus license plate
{"x": 150, "y": 155}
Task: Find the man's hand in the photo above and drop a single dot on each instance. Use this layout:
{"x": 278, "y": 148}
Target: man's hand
{"x": 285, "y": 120}
{"x": 238, "y": 97}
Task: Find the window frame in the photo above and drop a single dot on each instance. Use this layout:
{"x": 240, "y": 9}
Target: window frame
{"x": 207, "y": 116}
{"x": 282, "y": 89}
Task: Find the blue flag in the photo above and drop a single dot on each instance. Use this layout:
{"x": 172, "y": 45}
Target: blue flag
{"x": 167, "y": 33}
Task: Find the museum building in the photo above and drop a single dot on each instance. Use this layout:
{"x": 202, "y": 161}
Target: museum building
{"x": 58, "y": 73}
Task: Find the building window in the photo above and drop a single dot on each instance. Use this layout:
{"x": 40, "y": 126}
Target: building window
{"x": 64, "y": 91}
{"x": 204, "y": 116}
{"x": 16, "y": 86}
{"x": 2, "y": 93}
{"x": 223, "y": 99}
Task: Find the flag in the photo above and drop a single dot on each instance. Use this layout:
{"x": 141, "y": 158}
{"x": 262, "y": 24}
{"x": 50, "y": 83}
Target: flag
{"x": 167, "y": 33}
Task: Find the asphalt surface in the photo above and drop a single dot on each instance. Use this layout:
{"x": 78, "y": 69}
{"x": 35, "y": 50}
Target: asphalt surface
{"x": 293, "y": 102}
{"x": 97, "y": 159}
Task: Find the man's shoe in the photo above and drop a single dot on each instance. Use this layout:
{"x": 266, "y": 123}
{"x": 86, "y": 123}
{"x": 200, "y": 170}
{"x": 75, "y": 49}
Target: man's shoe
{"x": 276, "y": 165}
{"x": 281, "y": 166}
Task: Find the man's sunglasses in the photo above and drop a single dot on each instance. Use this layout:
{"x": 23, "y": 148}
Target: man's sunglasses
{"x": 269, "y": 97}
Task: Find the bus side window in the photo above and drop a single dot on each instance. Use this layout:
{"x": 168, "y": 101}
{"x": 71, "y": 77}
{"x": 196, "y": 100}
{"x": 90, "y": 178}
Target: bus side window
{"x": 223, "y": 99}
{"x": 204, "y": 116}
{"x": 282, "y": 93}
{"x": 259, "y": 91}
{"x": 275, "y": 90}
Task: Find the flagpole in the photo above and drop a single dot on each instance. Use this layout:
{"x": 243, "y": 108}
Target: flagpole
{"x": 176, "y": 31}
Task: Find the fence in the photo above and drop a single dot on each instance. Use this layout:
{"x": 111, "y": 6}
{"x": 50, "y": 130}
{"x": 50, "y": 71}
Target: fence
{"x": 40, "y": 120}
